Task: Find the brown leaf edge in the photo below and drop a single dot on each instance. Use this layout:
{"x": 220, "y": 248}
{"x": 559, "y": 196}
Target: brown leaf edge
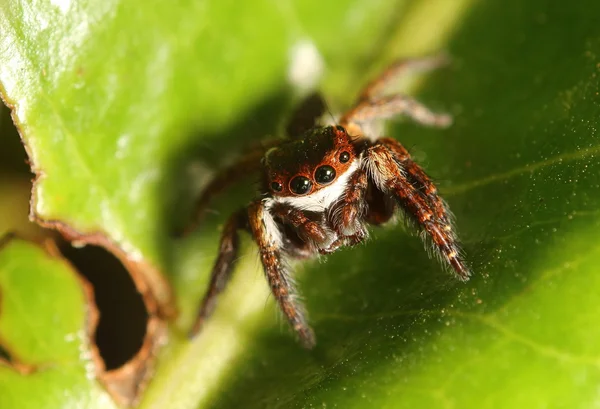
{"x": 91, "y": 322}
{"x": 126, "y": 383}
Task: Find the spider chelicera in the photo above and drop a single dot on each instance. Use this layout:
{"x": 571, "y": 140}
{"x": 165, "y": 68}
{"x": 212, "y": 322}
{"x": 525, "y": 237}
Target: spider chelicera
{"x": 321, "y": 188}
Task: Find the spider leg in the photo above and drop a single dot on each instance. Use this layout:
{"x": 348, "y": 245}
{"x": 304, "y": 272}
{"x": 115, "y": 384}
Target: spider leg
{"x": 228, "y": 176}
{"x": 221, "y": 272}
{"x": 388, "y": 107}
{"x": 306, "y": 116}
{"x": 390, "y": 177}
{"x": 268, "y": 237}
{"x": 349, "y": 211}
{"x": 374, "y": 105}
{"x": 418, "y": 176}
{"x": 400, "y": 68}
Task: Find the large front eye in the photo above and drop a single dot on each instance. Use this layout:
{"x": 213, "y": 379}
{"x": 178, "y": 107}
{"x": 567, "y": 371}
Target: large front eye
{"x": 300, "y": 185}
{"x": 324, "y": 175}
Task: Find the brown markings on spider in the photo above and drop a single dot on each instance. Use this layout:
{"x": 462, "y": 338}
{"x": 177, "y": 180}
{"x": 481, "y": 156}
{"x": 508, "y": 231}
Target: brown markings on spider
{"x": 323, "y": 186}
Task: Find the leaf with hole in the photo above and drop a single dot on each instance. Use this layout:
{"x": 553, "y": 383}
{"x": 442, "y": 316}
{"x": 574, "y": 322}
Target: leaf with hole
{"x": 46, "y": 318}
{"x": 127, "y": 107}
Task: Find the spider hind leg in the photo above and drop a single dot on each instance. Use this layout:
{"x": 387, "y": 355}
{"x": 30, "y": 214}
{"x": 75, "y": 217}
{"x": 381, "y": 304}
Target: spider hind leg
{"x": 399, "y": 69}
{"x": 306, "y": 116}
{"x": 375, "y": 103}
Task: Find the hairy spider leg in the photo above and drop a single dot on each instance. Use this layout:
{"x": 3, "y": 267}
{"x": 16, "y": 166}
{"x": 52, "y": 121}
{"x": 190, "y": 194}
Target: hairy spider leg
{"x": 306, "y": 115}
{"x": 245, "y": 165}
{"x": 229, "y": 247}
{"x": 391, "y": 167}
{"x": 372, "y": 104}
{"x": 400, "y": 68}
{"x": 268, "y": 237}
{"x": 389, "y": 107}
{"x": 418, "y": 177}
{"x": 390, "y": 177}
{"x": 352, "y": 207}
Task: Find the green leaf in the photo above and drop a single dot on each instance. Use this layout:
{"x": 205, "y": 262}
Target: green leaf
{"x": 43, "y": 326}
{"x": 115, "y": 99}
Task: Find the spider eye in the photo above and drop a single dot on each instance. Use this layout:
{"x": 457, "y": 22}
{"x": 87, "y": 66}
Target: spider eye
{"x": 324, "y": 175}
{"x": 340, "y": 128}
{"x": 344, "y": 157}
{"x": 300, "y": 185}
{"x": 276, "y": 186}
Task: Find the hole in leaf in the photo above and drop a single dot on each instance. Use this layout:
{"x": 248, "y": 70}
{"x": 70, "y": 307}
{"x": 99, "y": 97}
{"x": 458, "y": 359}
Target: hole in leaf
{"x": 123, "y": 316}
{"x": 4, "y": 354}
{"x": 13, "y": 159}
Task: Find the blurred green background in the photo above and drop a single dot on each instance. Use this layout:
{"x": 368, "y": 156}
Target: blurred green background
{"x": 128, "y": 107}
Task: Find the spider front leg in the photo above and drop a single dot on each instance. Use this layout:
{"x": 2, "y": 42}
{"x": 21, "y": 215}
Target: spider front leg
{"x": 391, "y": 178}
{"x": 221, "y": 272}
{"x": 348, "y": 213}
{"x": 418, "y": 177}
{"x": 269, "y": 240}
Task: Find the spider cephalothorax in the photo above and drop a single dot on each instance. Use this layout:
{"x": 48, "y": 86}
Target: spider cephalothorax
{"x": 323, "y": 186}
{"x": 302, "y": 167}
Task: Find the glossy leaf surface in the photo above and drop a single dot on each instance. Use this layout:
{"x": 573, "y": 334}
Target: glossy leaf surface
{"x": 125, "y": 106}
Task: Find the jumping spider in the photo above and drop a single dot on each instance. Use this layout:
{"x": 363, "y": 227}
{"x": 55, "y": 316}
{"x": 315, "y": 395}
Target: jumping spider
{"x": 323, "y": 186}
